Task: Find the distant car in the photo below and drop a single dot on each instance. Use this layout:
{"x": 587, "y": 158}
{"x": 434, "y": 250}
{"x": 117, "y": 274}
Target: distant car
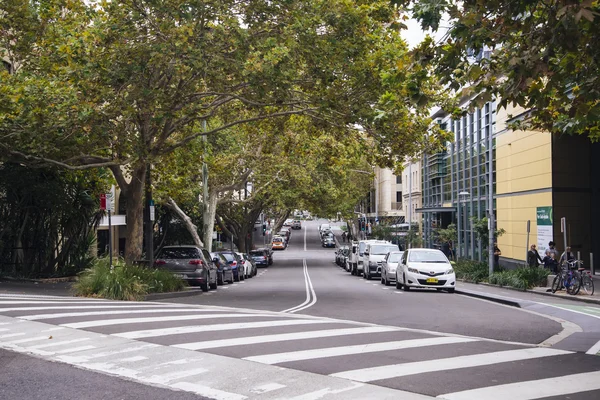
{"x": 260, "y": 257}
{"x": 389, "y": 266}
{"x": 373, "y": 258}
{"x": 278, "y": 243}
{"x": 186, "y": 263}
{"x": 322, "y": 227}
{"x": 425, "y": 268}
{"x": 269, "y": 254}
{"x": 328, "y": 242}
{"x": 341, "y": 255}
{"x": 297, "y": 224}
{"x": 224, "y": 272}
{"x": 235, "y": 262}
{"x": 288, "y": 222}
{"x": 284, "y": 233}
{"x": 249, "y": 266}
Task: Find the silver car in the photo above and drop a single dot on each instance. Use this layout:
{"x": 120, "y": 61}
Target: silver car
{"x": 186, "y": 263}
{"x": 389, "y": 266}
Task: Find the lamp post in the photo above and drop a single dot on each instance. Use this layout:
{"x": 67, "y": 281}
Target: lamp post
{"x": 462, "y": 197}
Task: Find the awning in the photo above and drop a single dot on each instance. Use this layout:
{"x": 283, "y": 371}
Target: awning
{"x": 435, "y": 209}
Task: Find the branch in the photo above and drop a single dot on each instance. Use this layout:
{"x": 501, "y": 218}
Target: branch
{"x": 90, "y": 165}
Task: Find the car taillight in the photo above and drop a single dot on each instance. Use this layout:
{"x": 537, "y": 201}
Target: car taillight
{"x": 234, "y": 263}
{"x": 159, "y": 262}
{"x": 196, "y": 262}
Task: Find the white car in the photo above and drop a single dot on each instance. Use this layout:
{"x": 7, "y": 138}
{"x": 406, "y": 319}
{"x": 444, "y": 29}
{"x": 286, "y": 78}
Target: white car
{"x": 248, "y": 269}
{"x": 389, "y": 266}
{"x": 425, "y": 268}
{"x": 373, "y": 258}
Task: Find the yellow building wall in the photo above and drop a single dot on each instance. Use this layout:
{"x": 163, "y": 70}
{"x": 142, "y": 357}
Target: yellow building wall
{"x": 523, "y": 163}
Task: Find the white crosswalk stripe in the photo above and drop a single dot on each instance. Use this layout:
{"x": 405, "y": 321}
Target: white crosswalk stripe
{"x": 265, "y": 339}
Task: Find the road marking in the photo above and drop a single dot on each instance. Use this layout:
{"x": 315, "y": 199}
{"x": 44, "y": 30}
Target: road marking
{"x": 312, "y": 354}
{"x": 212, "y": 328}
{"x": 171, "y": 376}
{"x": 595, "y": 349}
{"x": 310, "y": 293}
{"x": 269, "y": 387}
{"x": 122, "y": 321}
{"x": 75, "y": 349}
{"x": 305, "y": 230}
{"x": 15, "y": 302}
{"x": 207, "y": 391}
{"x": 33, "y": 339}
{"x": 536, "y": 389}
{"x": 397, "y": 292}
{"x": 9, "y": 335}
{"x": 92, "y": 313}
{"x": 70, "y": 307}
{"x": 444, "y": 364}
{"x": 212, "y": 344}
{"x": 57, "y": 343}
{"x": 122, "y": 351}
{"x": 132, "y": 359}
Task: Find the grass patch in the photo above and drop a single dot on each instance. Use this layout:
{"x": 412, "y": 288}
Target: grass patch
{"x": 125, "y": 282}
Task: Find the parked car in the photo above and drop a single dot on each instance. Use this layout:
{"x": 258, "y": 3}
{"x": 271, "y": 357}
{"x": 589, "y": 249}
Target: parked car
{"x": 278, "y": 243}
{"x": 389, "y": 266}
{"x": 373, "y": 258}
{"x": 340, "y": 255}
{"x": 296, "y": 224}
{"x": 425, "y": 268}
{"x": 322, "y": 227}
{"x": 269, "y": 254}
{"x": 249, "y": 266}
{"x": 186, "y": 263}
{"x": 288, "y": 222}
{"x": 325, "y": 232}
{"x": 235, "y": 262}
{"x": 260, "y": 257}
{"x": 357, "y": 256}
{"x": 285, "y": 234}
{"x": 328, "y": 242}
{"x": 224, "y": 272}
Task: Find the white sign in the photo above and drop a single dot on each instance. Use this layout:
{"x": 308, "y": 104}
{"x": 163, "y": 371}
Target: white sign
{"x": 544, "y": 229}
{"x": 152, "y": 213}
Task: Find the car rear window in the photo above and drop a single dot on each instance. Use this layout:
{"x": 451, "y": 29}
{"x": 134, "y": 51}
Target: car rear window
{"x": 177, "y": 253}
{"x": 228, "y": 256}
{"x": 383, "y": 249}
{"x": 257, "y": 253}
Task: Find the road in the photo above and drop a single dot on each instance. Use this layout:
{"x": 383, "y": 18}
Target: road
{"x": 340, "y": 337}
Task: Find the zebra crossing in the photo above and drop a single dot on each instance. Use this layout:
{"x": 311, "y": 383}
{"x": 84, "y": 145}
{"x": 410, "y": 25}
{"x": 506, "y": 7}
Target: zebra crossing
{"x": 230, "y": 353}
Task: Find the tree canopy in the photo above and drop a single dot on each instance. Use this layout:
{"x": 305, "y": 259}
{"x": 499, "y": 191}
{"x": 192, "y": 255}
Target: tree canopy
{"x": 540, "y": 55}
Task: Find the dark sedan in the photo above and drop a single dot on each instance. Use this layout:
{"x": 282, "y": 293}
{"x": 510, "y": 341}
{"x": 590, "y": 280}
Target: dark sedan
{"x": 260, "y": 257}
{"x": 224, "y": 272}
{"x": 235, "y": 262}
{"x": 186, "y": 263}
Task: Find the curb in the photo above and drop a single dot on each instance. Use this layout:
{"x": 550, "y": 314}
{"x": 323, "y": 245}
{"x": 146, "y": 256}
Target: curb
{"x": 572, "y": 298}
{"x": 495, "y": 299}
{"x": 46, "y": 280}
{"x": 171, "y": 295}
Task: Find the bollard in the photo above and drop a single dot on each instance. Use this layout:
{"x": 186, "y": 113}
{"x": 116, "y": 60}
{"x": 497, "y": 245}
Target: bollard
{"x": 592, "y": 264}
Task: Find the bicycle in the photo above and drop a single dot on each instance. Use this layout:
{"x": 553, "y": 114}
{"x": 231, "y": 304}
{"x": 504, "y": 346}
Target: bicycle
{"x": 585, "y": 277}
{"x": 567, "y": 279}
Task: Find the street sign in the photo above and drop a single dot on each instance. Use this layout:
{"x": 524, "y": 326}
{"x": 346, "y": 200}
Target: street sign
{"x": 152, "y": 213}
{"x": 103, "y": 201}
{"x": 109, "y": 202}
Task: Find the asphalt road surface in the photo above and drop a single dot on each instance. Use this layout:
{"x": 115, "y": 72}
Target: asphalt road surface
{"x": 339, "y": 337}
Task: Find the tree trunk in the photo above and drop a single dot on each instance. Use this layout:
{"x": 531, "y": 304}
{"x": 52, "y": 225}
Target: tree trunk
{"x": 208, "y": 218}
{"x": 187, "y": 221}
{"x": 134, "y": 192}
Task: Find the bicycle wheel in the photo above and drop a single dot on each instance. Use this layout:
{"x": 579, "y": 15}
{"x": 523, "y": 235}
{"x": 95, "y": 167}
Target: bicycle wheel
{"x": 574, "y": 284}
{"x": 588, "y": 284}
{"x": 556, "y": 283}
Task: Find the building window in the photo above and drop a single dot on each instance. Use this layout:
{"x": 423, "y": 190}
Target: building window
{"x": 398, "y": 178}
{"x": 398, "y": 197}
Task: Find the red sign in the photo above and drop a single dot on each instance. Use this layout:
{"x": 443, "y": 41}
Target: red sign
{"x": 103, "y": 201}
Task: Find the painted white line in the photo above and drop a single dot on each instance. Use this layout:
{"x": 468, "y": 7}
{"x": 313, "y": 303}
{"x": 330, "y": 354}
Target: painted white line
{"x": 225, "y": 287}
{"x": 269, "y": 387}
{"x": 33, "y": 339}
{"x": 10, "y": 335}
{"x": 212, "y": 328}
{"x": 132, "y": 359}
{"x": 212, "y": 344}
{"x": 595, "y": 349}
{"x": 208, "y": 391}
{"x": 57, "y": 343}
{"x": 529, "y": 390}
{"x": 4, "y": 329}
{"x": 15, "y": 302}
{"x": 122, "y": 351}
{"x": 289, "y": 310}
{"x": 397, "y": 292}
{"x": 172, "y": 376}
{"x": 92, "y": 313}
{"x": 70, "y": 307}
{"x": 312, "y": 293}
{"x": 75, "y": 349}
{"x": 312, "y": 354}
{"x": 445, "y": 364}
{"x": 305, "y": 230}
{"x": 122, "y": 321}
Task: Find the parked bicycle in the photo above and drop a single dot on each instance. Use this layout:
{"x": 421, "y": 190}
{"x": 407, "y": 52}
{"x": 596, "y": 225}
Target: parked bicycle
{"x": 567, "y": 279}
{"x": 585, "y": 276}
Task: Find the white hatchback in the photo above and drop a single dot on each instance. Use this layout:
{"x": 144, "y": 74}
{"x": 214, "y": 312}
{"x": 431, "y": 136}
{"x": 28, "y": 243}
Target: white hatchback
{"x": 425, "y": 268}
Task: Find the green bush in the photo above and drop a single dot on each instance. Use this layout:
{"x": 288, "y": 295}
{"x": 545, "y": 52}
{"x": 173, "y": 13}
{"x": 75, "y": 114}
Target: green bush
{"x": 520, "y": 278}
{"x": 125, "y": 282}
{"x": 470, "y": 270}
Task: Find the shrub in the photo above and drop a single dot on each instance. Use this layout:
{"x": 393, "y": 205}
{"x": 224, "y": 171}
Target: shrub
{"x": 470, "y": 270}
{"x": 124, "y": 282}
{"x": 520, "y": 278}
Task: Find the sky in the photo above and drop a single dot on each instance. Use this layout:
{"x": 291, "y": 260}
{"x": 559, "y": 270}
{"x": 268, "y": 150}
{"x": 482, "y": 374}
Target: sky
{"x": 414, "y": 34}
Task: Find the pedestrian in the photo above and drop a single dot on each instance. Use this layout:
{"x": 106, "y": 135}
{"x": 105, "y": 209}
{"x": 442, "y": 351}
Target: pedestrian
{"x": 552, "y": 248}
{"x": 369, "y": 229}
{"x": 349, "y": 237}
{"x": 533, "y": 257}
{"x": 550, "y": 262}
{"x": 344, "y": 237}
{"x": 567, "y": 256}
{"x": 497, "y": 254}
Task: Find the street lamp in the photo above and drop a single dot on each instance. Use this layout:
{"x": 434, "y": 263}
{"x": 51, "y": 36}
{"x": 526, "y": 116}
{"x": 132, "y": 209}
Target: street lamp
{"x": 462, "y": 197}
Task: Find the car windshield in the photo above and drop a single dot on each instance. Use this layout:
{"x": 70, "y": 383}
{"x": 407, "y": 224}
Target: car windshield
{"x": 430, "y": 256}
{"x": 395, "y": 257}
{"x": 277, "y": 240}
{"x": 383, "y": 249}
{"x": 257, "y": 253}
{"x": 177, "y": 253}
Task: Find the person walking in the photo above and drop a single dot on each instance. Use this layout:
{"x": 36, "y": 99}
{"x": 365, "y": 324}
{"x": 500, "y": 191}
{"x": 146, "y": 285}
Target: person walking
{"x": 533, "y": 257}
{"x": 344, "y": 237}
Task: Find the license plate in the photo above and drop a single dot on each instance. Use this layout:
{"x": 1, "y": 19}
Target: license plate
{"x": 432, "y": 280}
{"x": 182, "y": 276}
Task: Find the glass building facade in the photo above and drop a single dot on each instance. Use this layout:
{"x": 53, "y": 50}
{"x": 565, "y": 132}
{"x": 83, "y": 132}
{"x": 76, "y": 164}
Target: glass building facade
{"x": 455, "y": 182}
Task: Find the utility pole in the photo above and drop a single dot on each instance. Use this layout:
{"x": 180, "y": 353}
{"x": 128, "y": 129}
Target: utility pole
{"x": 409, "y": 202}
{"x": 491, "y": 221}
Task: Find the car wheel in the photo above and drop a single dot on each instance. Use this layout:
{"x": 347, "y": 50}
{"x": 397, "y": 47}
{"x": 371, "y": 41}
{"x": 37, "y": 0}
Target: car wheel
{"x": 398, "y": 285}
{"x": 382, "y": 281}
{"x": 387, "y": 282}
{"x": 451, "y": 290}
{"x": 404, "y": 285}
{"x": 236, "y": 277}
{"x": 213, "y": 286}
{"x": 204, "y": 287}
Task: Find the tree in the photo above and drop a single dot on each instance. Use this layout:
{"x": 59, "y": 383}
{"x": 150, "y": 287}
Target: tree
{"x": 480, "y": 227}
{"x": 122, "y": 84}
{"x": 540, "y": 55}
